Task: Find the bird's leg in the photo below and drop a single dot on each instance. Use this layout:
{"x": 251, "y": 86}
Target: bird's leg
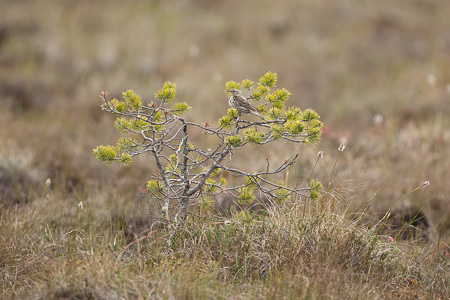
{"x": 239, "y": 115}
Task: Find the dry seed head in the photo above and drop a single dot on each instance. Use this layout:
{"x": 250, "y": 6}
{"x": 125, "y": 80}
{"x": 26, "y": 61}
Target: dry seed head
{"x": 341, "y": 147}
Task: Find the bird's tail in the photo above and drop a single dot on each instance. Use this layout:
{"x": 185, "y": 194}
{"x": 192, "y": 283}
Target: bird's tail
{"x": 256, "y": 113}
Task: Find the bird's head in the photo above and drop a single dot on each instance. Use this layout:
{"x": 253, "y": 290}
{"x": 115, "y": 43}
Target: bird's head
{"x": 234, "y": 92}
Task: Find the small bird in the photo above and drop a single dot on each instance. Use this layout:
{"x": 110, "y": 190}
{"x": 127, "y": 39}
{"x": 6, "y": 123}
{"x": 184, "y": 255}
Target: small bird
{"x": 241, "y": 103}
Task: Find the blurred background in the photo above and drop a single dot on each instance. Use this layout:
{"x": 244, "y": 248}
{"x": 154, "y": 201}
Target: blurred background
{"x": 376, "y": 71}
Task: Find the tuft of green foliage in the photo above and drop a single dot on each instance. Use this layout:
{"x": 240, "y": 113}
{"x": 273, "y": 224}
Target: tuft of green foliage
{"x": 213, "y": 185}
{"x": 274, "y": 113}
{"x": 277, "y": 131}
{"x": 172, "y": 166}
{"x": 133, "y": 99}
{"x": 138, "y": 124}
{"x": 254, "y": 137}
{"x": 314, "y": 131}
{"x": 180, "y": 108}
{"x": 126, "y": 159}
{"x": 234, "y": 141}
{"x": 167, "y": 93}
{"x": 233, "y": 113}
{"x": 309, "y": 115}
{"x": 294, "y": 113}
{"x": 278, "y": 98}
{"x": 122, "y": 125}
{"x": 258, "y": 93}
{"x": 105, "y": 153}
{"x": 226, "y": 121}
{"x": 206, "y": 203}
{"x": 247, "y": 84}
{"x": 120, "y": 106}
{"x": 246, "y": 196}
{"x": 281, "y": 193}
{"x": 315, "y": 188}
{"x": 217, "y": 171}
{"x": 294, "y": 127}
{"x": 155, "y": 187}
{"x": 269, "y": 79}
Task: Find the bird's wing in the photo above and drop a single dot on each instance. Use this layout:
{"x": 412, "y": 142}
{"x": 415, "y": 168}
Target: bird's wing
{"x": 246, "y": 104}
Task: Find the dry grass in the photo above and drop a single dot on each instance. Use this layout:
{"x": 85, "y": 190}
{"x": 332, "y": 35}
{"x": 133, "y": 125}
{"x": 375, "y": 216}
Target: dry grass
{"x": 280, "y": 254}
{"x": 349, "y": 60}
